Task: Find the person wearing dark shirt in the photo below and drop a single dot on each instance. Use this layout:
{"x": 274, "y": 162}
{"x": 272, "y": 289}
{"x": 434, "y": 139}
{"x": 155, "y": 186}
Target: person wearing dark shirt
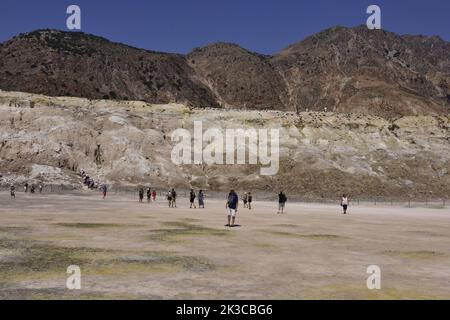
{"x": 281, "y": 202}
{"x": 201, "y": 199}
{"x": 174, "y": 197}
{"x": 249, "y": 199}
{"x": 232, "y": 206}
{"x": 192, "y": 197}
{"x": 13, "y": 191}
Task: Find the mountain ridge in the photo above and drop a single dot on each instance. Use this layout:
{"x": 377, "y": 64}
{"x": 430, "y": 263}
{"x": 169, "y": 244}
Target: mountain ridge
{"x": 339, "y": 69}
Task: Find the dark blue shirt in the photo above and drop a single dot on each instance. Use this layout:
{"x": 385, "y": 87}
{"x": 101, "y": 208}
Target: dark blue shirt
{"x": 233, "y": 201}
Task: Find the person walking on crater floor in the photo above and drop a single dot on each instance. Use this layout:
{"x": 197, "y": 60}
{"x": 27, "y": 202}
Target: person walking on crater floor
{"x": 174, "y": 198}
{"x": 192, "y": 197}
{"x": 232, "y": 206}
{"x": 245, "y": 199}
{"x": 249, "y": 199}
{"x": 201, "y": 199}
{"x": 104, "y": 190}
{"x": 13, "y": 191}
{"x": 281, "y": 202}
{"x": 169, "y": 198}
{"x": 344, "y": 203}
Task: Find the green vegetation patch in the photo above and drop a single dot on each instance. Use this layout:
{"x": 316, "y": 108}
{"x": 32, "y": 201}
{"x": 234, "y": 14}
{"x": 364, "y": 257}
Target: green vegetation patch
{"x": 351, "y": 292}
{"x": 155, "y": 259}
{"x": 184, "y": 229}
{"x": 415, "y": 254}
{"x": 307, "y": 236}
{"x": 83, "y": 225}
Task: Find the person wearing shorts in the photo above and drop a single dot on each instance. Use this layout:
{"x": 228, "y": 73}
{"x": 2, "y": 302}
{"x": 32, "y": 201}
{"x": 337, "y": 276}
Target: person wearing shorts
{"x": 344, "y": 203}
{"x": 232, "y": 206}
{"x": 281, "y": 202}
{"x": 249, "y": 199}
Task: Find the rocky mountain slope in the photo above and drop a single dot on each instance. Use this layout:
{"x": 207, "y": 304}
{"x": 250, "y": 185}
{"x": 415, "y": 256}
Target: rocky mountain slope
{"x": 126, "y": 143}
{"x": 340, "y": 69}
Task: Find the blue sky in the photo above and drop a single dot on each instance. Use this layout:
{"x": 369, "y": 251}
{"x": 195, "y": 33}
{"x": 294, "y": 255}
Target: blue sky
{"x": 264, "y": 26}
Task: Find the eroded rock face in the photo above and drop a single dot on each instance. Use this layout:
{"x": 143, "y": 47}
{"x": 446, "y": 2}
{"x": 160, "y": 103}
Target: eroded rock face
{"x": 339, "y": 69}
{"x": 240, "y": 78}
{"x": 367, "y": 71}
{"x": 128, "y": 143}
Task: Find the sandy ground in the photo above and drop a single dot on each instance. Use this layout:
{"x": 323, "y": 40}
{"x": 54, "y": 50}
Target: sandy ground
{"x": 130, "y": 250}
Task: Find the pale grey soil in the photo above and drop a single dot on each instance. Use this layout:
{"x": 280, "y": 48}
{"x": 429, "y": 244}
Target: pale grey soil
{"x": 147, "y": 251}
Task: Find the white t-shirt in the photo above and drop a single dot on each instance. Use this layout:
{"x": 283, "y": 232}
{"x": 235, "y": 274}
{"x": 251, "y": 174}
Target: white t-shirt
{"x": 344, "y": 201}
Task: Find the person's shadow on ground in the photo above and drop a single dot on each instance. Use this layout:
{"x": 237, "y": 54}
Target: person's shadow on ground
{"x": 234, "y": 226}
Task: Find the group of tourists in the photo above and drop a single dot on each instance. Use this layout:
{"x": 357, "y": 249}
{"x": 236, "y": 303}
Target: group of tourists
{"x": 201, "y": 199}
{"x": 92, "y": 184}
{"x": 231, "y": 205}
{"x": 172, "y": 199}
{"x": 88, "y": 181}
{"x": 32, "y": 187}
{"x": 247, "y": 198}
{"x": 151, "y": 195}
{"x": 26, "y": 187}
